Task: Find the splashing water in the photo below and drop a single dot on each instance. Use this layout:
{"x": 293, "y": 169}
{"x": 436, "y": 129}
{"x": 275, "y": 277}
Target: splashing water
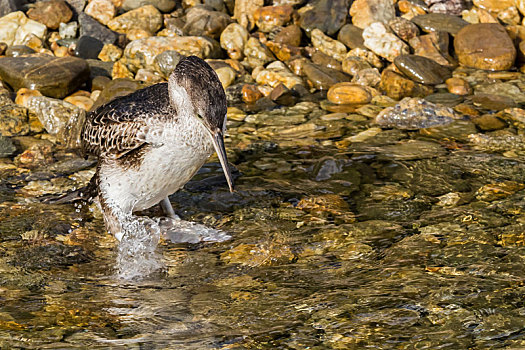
{"x": 136, "y": 251}
{"x": 137, "y": 257}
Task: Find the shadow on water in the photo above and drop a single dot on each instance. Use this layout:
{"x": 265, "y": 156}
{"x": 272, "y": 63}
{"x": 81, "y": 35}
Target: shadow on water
{"x": 394, "y": 241}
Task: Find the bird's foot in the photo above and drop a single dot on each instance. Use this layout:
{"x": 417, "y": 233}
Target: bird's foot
{"x": 181, "y": 231}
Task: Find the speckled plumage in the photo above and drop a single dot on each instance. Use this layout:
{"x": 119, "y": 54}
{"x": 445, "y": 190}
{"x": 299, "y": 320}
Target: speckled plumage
{"x": 151, "y": 142}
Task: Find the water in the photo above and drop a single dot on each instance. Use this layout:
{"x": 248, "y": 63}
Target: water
{"x": 403, "y": 241}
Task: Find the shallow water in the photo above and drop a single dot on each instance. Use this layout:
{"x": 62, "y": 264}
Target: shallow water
{"x": 407, "y": 240}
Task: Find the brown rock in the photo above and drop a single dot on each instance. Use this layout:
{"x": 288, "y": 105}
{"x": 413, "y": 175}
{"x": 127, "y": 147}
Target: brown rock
{"x": 365, "y": 12}
{"x": 290, "y": 35}
{"x": 434, "y": 46}
{"x": 458, "y": 86}
{"x": 404, "y": 28}
{"x": 283, "y": 52}
{"x": 250, "y": 93}
{"x": 268, "y": 18}
{"x": 283, "y": 96}
{"x": 494, "y": 5}
{"x": 349, "y": 93}
{"x": 396, "y": 86}
{"x": 351, "y": 36}
{"x": 485, "y": 46}
{"x": 51, "y": 13}
{"x": 489, "y": 122}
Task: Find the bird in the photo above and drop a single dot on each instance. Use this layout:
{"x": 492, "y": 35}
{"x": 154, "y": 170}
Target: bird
{"x": 151, "y": 142}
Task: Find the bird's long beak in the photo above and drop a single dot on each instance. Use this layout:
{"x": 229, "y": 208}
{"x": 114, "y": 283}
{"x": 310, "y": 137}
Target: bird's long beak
{"x": 218, "y": 143}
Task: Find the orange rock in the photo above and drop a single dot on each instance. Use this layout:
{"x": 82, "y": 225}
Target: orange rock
{"x": 349, "y": 93}
{"x": 250, "y": 93}
{"x": 458, "y": 86}
{"x": 270, "y": 17}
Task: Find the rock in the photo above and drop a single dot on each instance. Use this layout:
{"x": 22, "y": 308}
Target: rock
{"x": 226, "y": 75}
{"x": 276, "y": 73}
{"x": 91, "y": 27}
{"x": 260, "y": 254}
{"x": 165, "y": 62}
{"x": 148, "y": 76}
{"x": 101, "y": 10}
{"x": 110, "y": 53}
{"x": 18, "y": 50}
{"x": 366, "y": 12}
{"x": 147, "y": 18}
{"x": 439, "y": 22}
{"x": 383, "y": 43}
{"x": 77, "y": 6}
{"x": 233, "y": 39}
{"x": 489, "y": 122}
{"x": 510, "y": 16}
{"x": 434, "y": 46}
{"x": 492, "y": 102}
{"x": 415, "y": 113}
{"x": 23, "y": 94}
{"x": 203, "y": 22}
{"x": 162, "y": 5}
{"x": 403, "y": 28}
{"x": 88, "y": 47}
{"x": 290, "y": 35}
{"x": 116, "y": 88}
{"x": 328, "y": 45}
{"x": 16, "y": 27}
{"x": 37, "y": 155}
{"x": 367, "y": 77}
{"x": 449, "y": 7}
{"x": 8, "y": 6}
{"x": 351, "y": 36}
{"x": 80, "y": 101}
{"x": 59, "y": 118}
{"x": 284, "y": 52}
{"x": 14, "y": 120}
{"x": 458, "y": 86}
{"x": 250, "y": 93}
{"x": 68, "y": 30}
{"x": 421, "y": 69}
{"x": 98, "y": 67}
{"x": 367, "y": 55}
{"x": 257, "y": 54}
{"x": 324, "y": 60}
{"x": 326, "y": 15}
{"x": 268, "y": 18}
{"x": 121, "y": 70}
{"x": 350, "y": 93}
{"x": 51, "y": 13}
{"x": 283, "y": 96}
{"x": 7, "y": 148}
{"x": 397, "y": 87}
{"x": 323, "y": 78}
{"x": 485, "y": 46}
{"x": 410, "y": 9}
{"x": 55, "y": 77}
{"x": 494, "y": 5}
{"x": 141, "y": 53}
{"x": 244, "y": 10}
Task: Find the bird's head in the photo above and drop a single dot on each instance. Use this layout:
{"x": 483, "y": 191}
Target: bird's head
{"x": 195, "y": 88}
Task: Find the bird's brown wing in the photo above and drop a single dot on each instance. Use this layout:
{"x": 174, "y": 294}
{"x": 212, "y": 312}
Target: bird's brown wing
{"x": 120, "y": 126}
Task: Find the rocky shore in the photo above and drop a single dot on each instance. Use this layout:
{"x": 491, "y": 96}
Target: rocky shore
{"x": 388, "y": 64}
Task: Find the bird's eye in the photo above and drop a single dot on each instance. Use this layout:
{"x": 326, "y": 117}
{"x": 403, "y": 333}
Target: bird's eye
{"x": 200, "y": 116}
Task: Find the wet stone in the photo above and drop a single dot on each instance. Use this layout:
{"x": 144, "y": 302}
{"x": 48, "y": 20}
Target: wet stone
{"x": 233, "y": 38}
{"x": 18, "y": 50}
{"x": 351, "y": 36}
{"x": 397, "y": 86}
{"x": 283, "y": 96}
{"x": 379, "y": 39}
{"x": 492, "y": 102}
{"x": 200, "y": 21}
{"x": 349, "y": 93}
{"x": 496, "y": 191}
{"x": 326, "y": 15}
{"x": 15, "y": 27}
{"x": 323, "y": 78}
{"x": 415, "y": 113}
{"x": 55, "y": 77}
{"x": 434, "y": 46}
{"x": 290, "y": 35}
{"x": 14, "y": 120}
{"x": 421, "y": 69}
{"x": 458, "y": 86}
{"x": 88, "y": 47}
{"x": 268, "y": 18}
{"x": 488, "y": 122}
{"x": 161, "y": 5}
{"x": 327, "y": 45}
{"x": 90, "y": 27}
{"x": 7, "y": 148}
{"x": 445, "y": 98}
{"x": 244, "y": 10}
{"x": 404, "y": 28}
{"x": 485, "y": 46}
{"x": 147, "y": 18}
{"x": 440, "y": 22}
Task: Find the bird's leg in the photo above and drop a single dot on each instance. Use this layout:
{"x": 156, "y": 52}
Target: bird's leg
{"x": 165, "y": 204}
{"x": 111, "y": 219}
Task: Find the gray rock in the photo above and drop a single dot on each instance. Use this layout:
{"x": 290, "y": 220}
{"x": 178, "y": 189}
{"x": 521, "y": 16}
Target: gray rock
{"x": 322, "y": 77}
{"x": 8, "y": 6}
{"x": 18, "y": 50}
{"x": 88, "y": 47}
{"x": 161, "y": 5}
{"x": 327, "y": 15}
{"x": 90, "y": 27}
{"x": 351, "y": 36}
{"x": 439, "y": 22}
{"x": 77, "y": 6}
{"x": 98, "y": 67}
{"x": 165, "y": 62}
{"x": 202, "y": 21}
{"x": 7, "y": 148}
{"x": 415, "y": 113}
{"x": 52, "y": 76}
